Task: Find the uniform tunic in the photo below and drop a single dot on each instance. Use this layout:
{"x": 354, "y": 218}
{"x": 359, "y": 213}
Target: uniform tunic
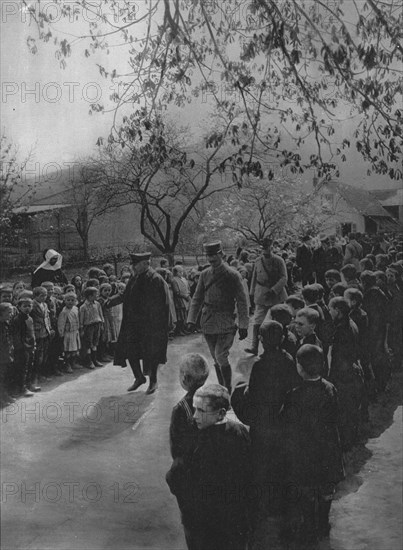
{"x": 216, "y": 293}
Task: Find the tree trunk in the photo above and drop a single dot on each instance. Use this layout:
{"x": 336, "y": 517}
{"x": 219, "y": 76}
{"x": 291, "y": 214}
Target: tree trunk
{"x": 171, "y": 258}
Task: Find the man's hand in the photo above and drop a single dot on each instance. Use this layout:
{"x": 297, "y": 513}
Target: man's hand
{"x": 243, "y": 333}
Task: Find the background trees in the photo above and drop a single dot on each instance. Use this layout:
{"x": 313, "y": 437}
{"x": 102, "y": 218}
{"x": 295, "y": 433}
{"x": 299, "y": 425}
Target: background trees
{"x": 292, "y": 73}
{"x": 14, "y": 193}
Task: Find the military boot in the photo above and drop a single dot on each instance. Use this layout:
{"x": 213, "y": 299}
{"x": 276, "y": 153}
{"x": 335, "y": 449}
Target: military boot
{"x": 254, "y": 349}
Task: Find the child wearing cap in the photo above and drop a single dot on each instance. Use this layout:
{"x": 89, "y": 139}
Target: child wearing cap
{"x": 314, "y": 462}
{"x": 23, "y": 333}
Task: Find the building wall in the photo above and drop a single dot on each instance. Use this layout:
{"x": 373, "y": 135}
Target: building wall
{"x": 340, "y": 212}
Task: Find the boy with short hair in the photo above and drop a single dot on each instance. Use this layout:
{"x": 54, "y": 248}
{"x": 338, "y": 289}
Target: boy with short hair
{"x": 314, "y": 457}
{"x": 183, "y": 432}
{"x": 218, "y": 476}
{"x": 91, "y": 322}
{"x": 24, "y": 346}
{"x": 305, "y": 325}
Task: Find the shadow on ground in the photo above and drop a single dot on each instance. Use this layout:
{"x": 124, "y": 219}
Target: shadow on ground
{"x": 107, "y": 418}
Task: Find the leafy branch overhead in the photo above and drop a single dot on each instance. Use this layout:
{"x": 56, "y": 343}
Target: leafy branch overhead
{"x": 291, "y": 74}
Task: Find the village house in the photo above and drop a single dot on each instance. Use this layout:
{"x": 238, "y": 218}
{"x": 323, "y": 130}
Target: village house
{"x": 352, "y": 209}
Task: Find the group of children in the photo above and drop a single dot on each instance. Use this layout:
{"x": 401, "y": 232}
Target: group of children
{"x": 52, "y": 330}
{"x": 328, "y": 351}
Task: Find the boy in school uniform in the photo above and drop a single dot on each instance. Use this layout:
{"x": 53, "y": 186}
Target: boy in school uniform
{"x": 314, "y": 462}
{"x": 6, "y": 352}
{"x": 43, "y": 333}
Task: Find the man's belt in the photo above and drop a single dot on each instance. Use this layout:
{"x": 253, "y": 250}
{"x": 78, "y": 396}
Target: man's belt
{"x": 220, "y": 307}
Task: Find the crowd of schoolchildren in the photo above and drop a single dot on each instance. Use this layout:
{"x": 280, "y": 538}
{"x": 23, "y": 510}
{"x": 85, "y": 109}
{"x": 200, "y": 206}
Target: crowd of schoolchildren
{"x": 56, "y": 328}
{"x": 328, "y": 351}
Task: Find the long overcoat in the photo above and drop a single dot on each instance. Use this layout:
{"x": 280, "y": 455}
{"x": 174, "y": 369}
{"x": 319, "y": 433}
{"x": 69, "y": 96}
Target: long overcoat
{"x": 145, "y": 323}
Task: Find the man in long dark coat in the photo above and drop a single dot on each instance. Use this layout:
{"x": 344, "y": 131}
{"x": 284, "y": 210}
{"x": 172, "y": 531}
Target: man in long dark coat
{"x": 145, "y": 324}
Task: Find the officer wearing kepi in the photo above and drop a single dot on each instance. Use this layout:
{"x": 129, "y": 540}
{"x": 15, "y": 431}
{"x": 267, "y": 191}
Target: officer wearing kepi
{"x": 144, "y": 332}
{"x": 218, "y": 291}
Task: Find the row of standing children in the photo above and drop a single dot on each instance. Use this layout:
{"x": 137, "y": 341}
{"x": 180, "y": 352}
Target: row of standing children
{"x": 50, "y": 330}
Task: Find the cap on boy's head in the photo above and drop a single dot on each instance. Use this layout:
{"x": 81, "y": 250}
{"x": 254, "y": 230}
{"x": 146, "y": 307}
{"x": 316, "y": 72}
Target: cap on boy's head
{"x": 217, "y": 395}
{"x": 24, "y": 300}
{"x": 311, "y": 359}
{"x": 271, "y": 333}
{"x": 211, "y": 249}
{"x": 195, "y": 369}
{"x": 319, "y": 289}
{"x": 281, "y": 313}
{"x": 26, "y": 294}
{"x": 140, "y": 257}
{"x": 90, "y": 291}
{"x": 6, "y": 288}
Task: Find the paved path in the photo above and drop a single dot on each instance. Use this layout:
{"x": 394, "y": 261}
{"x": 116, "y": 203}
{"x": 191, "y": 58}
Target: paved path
{"x": 84, "y": 463}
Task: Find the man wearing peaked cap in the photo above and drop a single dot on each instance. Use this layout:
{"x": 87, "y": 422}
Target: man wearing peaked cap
{"x": 218, "y": 290}
{"x": 140, "y": 257}
{"x": 144, "y": 331}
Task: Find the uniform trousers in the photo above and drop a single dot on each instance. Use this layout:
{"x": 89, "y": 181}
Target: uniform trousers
{"x": 219, "y": 346}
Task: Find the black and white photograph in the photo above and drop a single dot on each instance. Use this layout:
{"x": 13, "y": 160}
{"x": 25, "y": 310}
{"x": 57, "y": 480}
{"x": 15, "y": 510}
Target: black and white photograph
{"x": 201, "y": 274}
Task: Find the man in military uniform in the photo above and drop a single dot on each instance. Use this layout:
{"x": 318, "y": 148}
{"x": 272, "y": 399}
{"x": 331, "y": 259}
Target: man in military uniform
{"x": 219, "y": 289}
{"x": 145, "y": 324}
{"x": 267, "y": 287}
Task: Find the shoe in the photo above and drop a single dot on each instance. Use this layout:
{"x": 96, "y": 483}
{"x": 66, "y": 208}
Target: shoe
{"x": 34, "y": 388}
{"x": 27, "y": 393}
{"x": 58, "y": 373}
{"x": 137, "y": 383}
{"x": 69, "y": 370}
{"x": 44, "y": 379}
{"x": 90, "y": 366}
{"x": 253, "y": 351}
{"x": 97, "y": 363}
{"x": 76, "y": 366}
{"x": 151, "y": 388}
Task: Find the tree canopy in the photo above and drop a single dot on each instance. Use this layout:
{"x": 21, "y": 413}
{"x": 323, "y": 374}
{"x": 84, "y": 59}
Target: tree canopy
{"x": 288, "y": 74}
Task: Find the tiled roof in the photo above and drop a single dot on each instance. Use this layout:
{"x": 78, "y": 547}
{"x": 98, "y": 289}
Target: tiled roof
{"x": 363, "y": 201}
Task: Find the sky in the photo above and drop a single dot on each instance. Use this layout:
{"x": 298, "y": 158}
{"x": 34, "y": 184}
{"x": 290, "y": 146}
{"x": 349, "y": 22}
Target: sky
{"x": 46, "y": 108}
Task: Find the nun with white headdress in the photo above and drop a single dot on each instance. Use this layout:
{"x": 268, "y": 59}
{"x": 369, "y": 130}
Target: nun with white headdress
{"x": 50, "y": 269}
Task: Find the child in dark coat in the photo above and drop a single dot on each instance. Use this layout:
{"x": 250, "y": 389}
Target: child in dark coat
{"x": 6, "y": 352}
{"x": 23, "y": 332}
{"x": 258, "y": 405}
{"x": 345, "y": 372}
{"x": 183, "y": 432}
{"x": 314, "y": 462}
